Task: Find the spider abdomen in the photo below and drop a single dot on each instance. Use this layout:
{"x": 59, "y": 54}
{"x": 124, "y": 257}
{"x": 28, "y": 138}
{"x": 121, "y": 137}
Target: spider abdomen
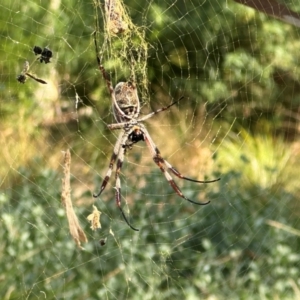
{"x": 127, "y": 101}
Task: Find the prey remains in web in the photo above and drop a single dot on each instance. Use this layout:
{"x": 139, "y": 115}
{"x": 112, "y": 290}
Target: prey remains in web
{"x": 44, "y": 56}
{"x": 126, "y": 109}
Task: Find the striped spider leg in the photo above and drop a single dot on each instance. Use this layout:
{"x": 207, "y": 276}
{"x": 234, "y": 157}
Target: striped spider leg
{"x": 162, "y": 163}
{"x": 118, "y": 155}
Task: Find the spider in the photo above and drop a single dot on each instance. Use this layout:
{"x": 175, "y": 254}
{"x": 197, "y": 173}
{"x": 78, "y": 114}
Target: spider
{"x": 126, "y": 110}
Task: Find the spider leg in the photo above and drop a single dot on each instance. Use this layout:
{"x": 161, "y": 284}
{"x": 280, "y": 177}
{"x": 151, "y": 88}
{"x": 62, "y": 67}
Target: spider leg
{"x": 159, "y": 110}
{"x": 160, "y": 163}
{"x": 107, "y": 80}
{"x": 148, "y": 116}
{"x": 111, "y": 164}
{"x": 101, "y": 68}
{"x": 118, "y": 154}
{"x": 179, "y": 175}
{"x": 118, "y": 182}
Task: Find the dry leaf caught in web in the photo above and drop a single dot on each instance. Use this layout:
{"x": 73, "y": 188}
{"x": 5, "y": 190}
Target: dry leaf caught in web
{"x": 76, "y": 231}
{"x": 94, "y": 218}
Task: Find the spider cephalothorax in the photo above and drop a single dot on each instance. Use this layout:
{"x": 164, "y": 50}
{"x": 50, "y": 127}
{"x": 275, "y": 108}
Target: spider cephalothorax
{"x": 126, "y": 109}
{"x": 135, "y": 136}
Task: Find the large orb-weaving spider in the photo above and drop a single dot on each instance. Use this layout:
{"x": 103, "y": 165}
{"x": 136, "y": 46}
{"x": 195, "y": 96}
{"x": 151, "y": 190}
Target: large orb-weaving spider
{"x": 126, "y": 109}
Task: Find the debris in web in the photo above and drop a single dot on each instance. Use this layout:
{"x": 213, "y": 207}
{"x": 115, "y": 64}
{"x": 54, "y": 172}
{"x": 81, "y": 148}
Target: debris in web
{"x": 45, "y": 54}
{"x": 115, "y": 17}
{"x": 102, "y": 242}
{"x": 24, "y": 74}
{"x": 94, "y": 218}
{"x": 284, "y": 227}
{"x": 76, "y": 231}
{"x": 123, "y": 43}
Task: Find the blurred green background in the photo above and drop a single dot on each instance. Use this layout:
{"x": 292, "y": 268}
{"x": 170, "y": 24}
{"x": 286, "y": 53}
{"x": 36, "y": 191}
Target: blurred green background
{"x": 239, "y": 73}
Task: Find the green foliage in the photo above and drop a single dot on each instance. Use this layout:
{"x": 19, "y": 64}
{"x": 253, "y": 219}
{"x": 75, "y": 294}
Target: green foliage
{"x": 261, "y": 159}
{"x": 225, "y": 249}
{"x": 237, "y": 68}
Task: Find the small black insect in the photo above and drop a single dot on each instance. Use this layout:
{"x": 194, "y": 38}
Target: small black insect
{"x": 103, "y": 241}
{"x": 37, "y": 50}
{"x": 45, "y": 54}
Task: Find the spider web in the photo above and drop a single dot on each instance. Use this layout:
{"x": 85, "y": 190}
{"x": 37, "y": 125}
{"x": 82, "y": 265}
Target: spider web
{"x": 239, "y": 120}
